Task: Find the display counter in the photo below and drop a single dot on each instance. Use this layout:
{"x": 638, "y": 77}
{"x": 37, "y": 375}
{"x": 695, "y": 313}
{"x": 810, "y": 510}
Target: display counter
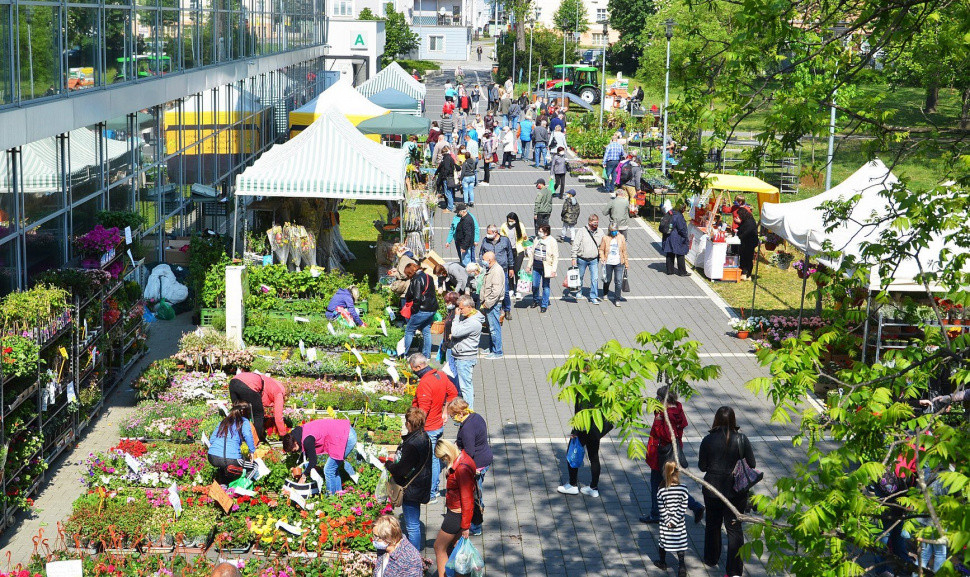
{"x": 718, "y": 260}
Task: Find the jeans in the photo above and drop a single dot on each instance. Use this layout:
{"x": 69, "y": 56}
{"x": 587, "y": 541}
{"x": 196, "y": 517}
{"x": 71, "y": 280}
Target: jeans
{"x": 465, "y": 256}
{"x": 505, "y": 120}
{"x": 480, "y": 481}
{"x": 593, "y": 266}
{"x": 526, "y": 148}
{"x": 431, "y": 148}
{"x": 495, "y": 328}
{"x": 411, "y": 511}
{"x": 512, "y": 120}
{"x": 932, "y": 556}
{"x": 452, "y": 364}
{"x": 540, "y": 153}
{"x": 614, "y": 272}
{"x": 448, "y": 138}
{"x": 506, "y": 299}
{"x": 450, "y": 197}
{"x": 435, "y": 462}
{"x": 567, "y": 232}
{"x": 540, "y": 279}
{"x": 465, "y": 371}
{"x": 656, "y": 478}
{"x": 468, "y": 188}
{"x": 331, "y": 469}
{"x": 610, "y": 174}
{"x": 419, "y": 321}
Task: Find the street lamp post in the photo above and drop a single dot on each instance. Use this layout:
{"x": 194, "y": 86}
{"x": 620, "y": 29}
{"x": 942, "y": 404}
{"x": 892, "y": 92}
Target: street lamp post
{"x": 669, "y": 24}
{"x": 532, "y": 31}
{"x": 838, "y": 30}
{"x": 515, "y": 48}
{"x": 562, "y": 82}
{"x": 606, "y": 42}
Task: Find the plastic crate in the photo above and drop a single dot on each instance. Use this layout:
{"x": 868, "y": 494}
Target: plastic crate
{"x": 206, "y": 316}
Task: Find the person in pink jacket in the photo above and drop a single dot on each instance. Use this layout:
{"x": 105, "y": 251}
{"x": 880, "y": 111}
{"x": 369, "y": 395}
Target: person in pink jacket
{"x": 334, "y": 438}
{"x": 261, "y": 392}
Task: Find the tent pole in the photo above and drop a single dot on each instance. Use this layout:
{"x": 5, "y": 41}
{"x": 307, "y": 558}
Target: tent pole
{"x": 801, "y": 307}
{"x": 235, "y": 225}
{"x": 401, "y": 219}
{"x": 865, "y": 327}
{"x": 757, "y": 264}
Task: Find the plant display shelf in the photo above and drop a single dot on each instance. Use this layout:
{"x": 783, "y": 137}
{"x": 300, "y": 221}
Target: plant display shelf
{"x": 887, "y": 340}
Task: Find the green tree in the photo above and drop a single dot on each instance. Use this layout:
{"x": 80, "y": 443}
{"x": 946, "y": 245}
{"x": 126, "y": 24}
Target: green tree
{"x": 546, "y": 53}
{"x": 399, "y": 39}
{"x": 571, "y": 16}
{"x": 628, "y": 18}
{"x": 520, "y": 12}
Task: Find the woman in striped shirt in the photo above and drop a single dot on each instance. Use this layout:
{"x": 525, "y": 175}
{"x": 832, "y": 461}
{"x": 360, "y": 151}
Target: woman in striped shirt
{"x": 673, "y": 530}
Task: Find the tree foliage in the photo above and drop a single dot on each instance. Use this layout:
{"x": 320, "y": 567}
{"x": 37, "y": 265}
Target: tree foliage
{"x": 571, "y": 16}
{"x": 546, "y": 53}
{"x": 399, "y": 40}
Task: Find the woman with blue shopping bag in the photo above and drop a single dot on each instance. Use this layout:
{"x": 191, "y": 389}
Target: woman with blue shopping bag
{"x": 459, "y": 500}
{"x": 590, "y": 442}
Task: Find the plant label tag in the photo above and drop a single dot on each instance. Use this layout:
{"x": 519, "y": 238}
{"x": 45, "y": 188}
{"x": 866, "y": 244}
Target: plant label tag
{"x": 131, "y": 257}
{"x": 360, "y": 359}
{"x": 390, "y": 313}
{"x": 205, "y": 440}
{"x": 400, "y": 347}
{"x": 132, "y": 463}
{"x": 127, "y": 235}
{"x": 330, "y": 328}
{"x": 359, "y": 374}
{"x": 317, "y": 479}
{"x": 72, "y": 568}
{"x": 384, "y": 327}
{"x": 261, "y": 469}
{"x": 297, "y": 498}
{"x": 289, "y": 528}
{"x": 241, "y": 491}
{"x": 222, "y": 407}
{"x": 392, "y": 370}
{"x": 71, "y": 395}
{"x": 355, "y": 336}
{"x": 389, "y": 362}
{"x": 220, "y": 496}
{"x": 311, "y": 354}
{"x": 302, "y": 349}
{"x": 390, "y": 398}
{"x": 174, "y": 499}
{"x": 63, "y": 351}
{"x": 85, "y": 327}
{"x": 301, "y": 319}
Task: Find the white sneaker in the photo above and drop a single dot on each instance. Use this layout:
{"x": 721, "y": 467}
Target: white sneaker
{"x": 482, "y": 184}
{"x": 589, "y": 492}
{"x": 568, "y": 489}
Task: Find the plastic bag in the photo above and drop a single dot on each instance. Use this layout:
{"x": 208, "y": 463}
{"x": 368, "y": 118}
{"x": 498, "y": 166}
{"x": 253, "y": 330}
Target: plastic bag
{"x": 572, "y": 278}
{"x": 524, "y": 284}
{"x": 465, "y": 560}
{"x": 242, "y": 483}
{"x": 164, "y": 311}
{"x": 552, "y": 186}
{"x": 575, "y": 453}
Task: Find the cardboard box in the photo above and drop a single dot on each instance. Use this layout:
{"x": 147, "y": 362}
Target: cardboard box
{"x": 174, "y": 253}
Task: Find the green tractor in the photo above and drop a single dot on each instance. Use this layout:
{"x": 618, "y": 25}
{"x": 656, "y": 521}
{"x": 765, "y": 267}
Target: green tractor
{"x": 583, "y": 81}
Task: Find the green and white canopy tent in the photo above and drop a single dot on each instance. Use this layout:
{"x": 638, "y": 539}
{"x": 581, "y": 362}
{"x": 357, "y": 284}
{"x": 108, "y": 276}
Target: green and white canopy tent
{"x": 329, "y": 160}
{"x": 396, "y": 101}
{"x": 393, "y": 76}
{"x": 40, "y": 165}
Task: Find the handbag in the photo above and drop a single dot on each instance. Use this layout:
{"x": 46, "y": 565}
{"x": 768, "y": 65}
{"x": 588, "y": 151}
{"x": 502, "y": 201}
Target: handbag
{"x": 408, "y": 309}
{"x": 626, "y": 280}
{"x": 575, "y": 453}
{"x": 395, "y": 492}
{"x": 745, "y": 476}
{"x": 524, "y": 284}
{"x": 653, "y": 446}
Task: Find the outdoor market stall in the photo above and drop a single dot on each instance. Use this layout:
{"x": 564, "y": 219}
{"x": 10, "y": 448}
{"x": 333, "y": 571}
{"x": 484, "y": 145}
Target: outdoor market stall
{"x": 342, "y": 97}
{"x": 395, "y": 77}
{"x": 395, "y": 126}
{"x": 329, "y": 160}
{"x": 397, "y": 101}
{"x": 711, "y": 251}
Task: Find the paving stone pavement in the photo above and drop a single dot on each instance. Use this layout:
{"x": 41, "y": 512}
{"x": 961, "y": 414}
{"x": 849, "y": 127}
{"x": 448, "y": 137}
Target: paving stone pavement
{"x": 529, "y": 528}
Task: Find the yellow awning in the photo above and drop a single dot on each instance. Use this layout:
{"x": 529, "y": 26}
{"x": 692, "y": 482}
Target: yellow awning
{"x": 766, "y": 192}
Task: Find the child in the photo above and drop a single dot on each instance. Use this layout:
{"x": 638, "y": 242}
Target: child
{"x": 673, "y": 531}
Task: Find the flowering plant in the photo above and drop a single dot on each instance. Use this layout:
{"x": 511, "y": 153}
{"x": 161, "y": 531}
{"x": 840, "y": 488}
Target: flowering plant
{"x": 747, "y": 325}
{"x": 20, "y": 357}
{"x": 777, "y": 328}
{"x": 804, "y": 269}
{"x": 98, "y": 240}
{"x": 133, "y": 447}
{"x": 782, "y": 259}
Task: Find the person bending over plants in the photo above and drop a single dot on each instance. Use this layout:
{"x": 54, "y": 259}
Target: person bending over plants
{"x": 334, "y": 438}
{"x": 225, "y": 450}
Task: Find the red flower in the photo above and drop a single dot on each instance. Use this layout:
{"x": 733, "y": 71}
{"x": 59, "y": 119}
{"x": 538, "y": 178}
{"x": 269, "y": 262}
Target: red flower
{"x": 7, "y": 350}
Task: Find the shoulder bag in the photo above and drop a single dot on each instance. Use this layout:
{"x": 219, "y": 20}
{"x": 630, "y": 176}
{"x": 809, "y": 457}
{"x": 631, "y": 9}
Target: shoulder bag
{"x": 408, "y": 309}
{"x": 395, "y": 492}
{"x": 745, "y": 476}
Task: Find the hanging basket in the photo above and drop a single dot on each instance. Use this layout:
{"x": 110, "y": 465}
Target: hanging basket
{"x": 770, "y": 246}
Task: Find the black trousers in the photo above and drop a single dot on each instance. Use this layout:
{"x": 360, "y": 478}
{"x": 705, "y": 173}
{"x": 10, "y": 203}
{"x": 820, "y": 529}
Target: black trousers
{"x": 487, "y": 168}
{"x": 238, "y": 391}
{"x": 561, "y": 184}
{"x": 541, "y": 219}
{"x": 746, "y": 258}
{"x": 221, "y": 464}
{"x": 681, "y": 265}
{"x": 718, "y": 514}
{"x": 592, "y": 444}
{"x": 507, "y": 159}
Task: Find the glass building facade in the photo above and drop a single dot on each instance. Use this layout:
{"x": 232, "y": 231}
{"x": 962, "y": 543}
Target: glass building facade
{"x": 149, "y": 160}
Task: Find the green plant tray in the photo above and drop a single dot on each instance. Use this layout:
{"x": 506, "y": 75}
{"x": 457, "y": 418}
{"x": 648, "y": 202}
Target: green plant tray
{"x": 206, "y": 315}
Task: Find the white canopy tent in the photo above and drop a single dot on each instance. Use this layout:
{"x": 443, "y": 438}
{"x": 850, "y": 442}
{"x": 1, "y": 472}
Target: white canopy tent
{"x": 802, "y": 223}
{"x": 41, "y": 161}
{"x": 393, "y": 76}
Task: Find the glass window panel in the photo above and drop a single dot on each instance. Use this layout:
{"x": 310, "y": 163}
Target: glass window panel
{"x": 169, "y": 36}
{"x": 119, "y": 52}
{"x": 7, "y": 85}
{"x": 120, "y": 196}
{"x": 45, "y": 246}
{"x": 84, "y": 216}
{"x": 149, "y": 193}
{"x": 39, "y": 63}
{"x": 83, "y": 46}
{"x": 86, "y": 161}
{"x": 150, "y": 56}
{"x": 39, "y": 167}
{"x": 192, "y": 37}
{"x": 8, "y": 267}
{"x": 8, "y": 204}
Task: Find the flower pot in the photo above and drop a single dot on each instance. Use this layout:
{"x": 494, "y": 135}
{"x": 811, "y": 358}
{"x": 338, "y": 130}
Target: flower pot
{"x": 956, "y": 322}
{"x": 742, "y": 335}
{"x": 783, "y": 265}
{"x": 770, "y": 246}
{"x": 438, "y": 327}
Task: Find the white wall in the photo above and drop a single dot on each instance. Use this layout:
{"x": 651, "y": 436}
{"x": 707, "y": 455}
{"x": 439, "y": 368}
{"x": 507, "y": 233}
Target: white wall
{"x": 356, "y": 38}
{"x": 547, "y": 9}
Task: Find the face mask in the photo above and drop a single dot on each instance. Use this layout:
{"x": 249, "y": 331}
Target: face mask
{"x": 511, "y": 223}
{"x": 451, "y": 307}
{"x": 593, "y": 227}
{"x": 492, "y": 237}
{"x": 613, "y": 233}
{"x": 380, "y": 546}
{"x": 542, "y": 235}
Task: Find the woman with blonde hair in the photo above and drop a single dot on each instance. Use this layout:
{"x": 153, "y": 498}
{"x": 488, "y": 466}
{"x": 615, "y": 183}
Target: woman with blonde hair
{"x": 459, "y": 500}
{"x": 473, "y": 439}
{"x": 396, "y": 557}
{"x": 673, "y": 530}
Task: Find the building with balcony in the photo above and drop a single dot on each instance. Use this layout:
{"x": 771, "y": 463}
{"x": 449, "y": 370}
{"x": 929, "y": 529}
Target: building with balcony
{"x": 139, "y": 106}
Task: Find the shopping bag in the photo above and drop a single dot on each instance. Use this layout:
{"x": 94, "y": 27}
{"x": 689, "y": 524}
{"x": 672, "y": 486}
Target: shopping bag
{"x": 465, "y": 560}
{"x": 572, "y": 278}
{"x": 626, "y": 280}
{"x": 575, "y": 453}
{"x": 242, "y": 483}
{"x": 552, "y": 186}
{"x": 524, "y": 284}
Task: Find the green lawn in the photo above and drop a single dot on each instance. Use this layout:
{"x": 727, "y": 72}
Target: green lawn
{"x": 357, "y": 228}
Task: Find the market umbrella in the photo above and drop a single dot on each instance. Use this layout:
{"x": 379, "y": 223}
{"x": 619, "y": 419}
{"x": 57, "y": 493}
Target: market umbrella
{"x": 395, "y": 123}
{"x": 394, "y": 99}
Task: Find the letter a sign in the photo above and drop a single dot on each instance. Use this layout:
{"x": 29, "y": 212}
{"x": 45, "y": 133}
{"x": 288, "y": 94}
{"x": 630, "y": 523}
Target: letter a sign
{"x": 358, "y": 41}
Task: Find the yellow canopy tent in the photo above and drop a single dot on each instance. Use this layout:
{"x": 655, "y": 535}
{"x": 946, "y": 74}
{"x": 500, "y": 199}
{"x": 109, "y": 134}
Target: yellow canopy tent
{"x": 341, "y": 96}
{"x": 765, "y": 191}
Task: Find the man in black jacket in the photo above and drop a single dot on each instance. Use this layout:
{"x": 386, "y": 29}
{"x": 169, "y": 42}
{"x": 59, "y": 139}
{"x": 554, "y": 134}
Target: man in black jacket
{"x": 445, "y": 175}
{"x": 411, "y": 470}
{"x": 464, "y": 234}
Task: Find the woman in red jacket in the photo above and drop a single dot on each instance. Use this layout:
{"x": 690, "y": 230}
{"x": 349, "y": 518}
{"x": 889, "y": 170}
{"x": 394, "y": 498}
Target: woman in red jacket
{"x": 459, "y": 502}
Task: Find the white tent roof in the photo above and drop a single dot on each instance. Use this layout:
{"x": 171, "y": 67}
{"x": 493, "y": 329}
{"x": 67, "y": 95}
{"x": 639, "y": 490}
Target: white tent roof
{"x": 41, "y": 166}
{"x": 330, "y": 159}
{"x": 802, "y": 223}
{"x": 345, "y": 98}
{"x": 393, "y": 76}
{"x": 227, "y": 99}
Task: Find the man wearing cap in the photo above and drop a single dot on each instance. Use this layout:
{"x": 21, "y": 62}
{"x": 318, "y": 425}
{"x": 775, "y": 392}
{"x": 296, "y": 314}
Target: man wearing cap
{"x": 543, "y": 205}
{"x": 465, "y": 229}
{"x": 586, "y": 253}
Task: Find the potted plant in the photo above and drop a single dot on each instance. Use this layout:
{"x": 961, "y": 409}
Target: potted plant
{"x": 98, "y": 246}
{"x": 782, "y": 259}
{"x": 772, "y": 241}
{"x": 743, "y": 327}
{"x": 804, "y": 268}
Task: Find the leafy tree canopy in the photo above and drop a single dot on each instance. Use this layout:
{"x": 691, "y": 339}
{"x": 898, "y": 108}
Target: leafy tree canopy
{"x": 571, "y": 16}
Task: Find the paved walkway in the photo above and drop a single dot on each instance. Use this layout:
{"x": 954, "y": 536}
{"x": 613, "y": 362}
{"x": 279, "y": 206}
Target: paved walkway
{"x": 530, "y": 529}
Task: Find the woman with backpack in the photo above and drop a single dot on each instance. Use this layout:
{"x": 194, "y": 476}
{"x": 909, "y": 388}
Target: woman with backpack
{"x": 719, "y": 454}
{"x": 660, "y": 450}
